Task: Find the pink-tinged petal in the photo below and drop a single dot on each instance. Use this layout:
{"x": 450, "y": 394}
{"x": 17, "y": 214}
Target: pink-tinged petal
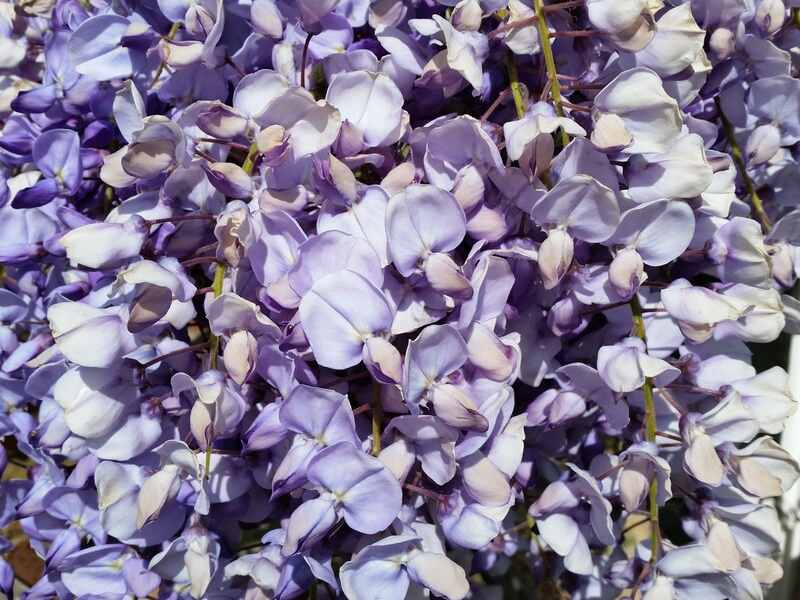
{"x": 702, "y": 462}
{"x": 555, "y": 257}
{"x": 484, "y": 481}
{"x": 439, "y": 574}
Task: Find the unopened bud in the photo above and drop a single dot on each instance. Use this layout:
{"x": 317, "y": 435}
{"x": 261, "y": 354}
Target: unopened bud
{"x": 626, "y": 272}
{"x": 555, "y": 257}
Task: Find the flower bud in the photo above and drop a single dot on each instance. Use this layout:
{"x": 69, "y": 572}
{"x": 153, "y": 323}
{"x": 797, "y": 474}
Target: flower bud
{"x": 763, "y": 143}
{"x": 398, "y": 457}
{"x": 266, "y": 18}
{"x": 488, "y": 353}
{"x": 634, "y": 483}
{"x": 467, "y": 15}
{"x": 722, "y": 43}
{"x": 469, "y": 188}
{"x": 783, "y": 267}
{"x": 199, "y": 20}
{"x": 230, "y": 229}
{"x": 770, "y": 15}
{"x": 180, "y": 54}
{"x": 445, "y": 276}
{"x": 230, "y": 179}
{"x": 383, "y": 360}
{"x": 610, "y": 133}
{"x": 272, "y": 143}
{"x": 700, "y": 459}
{"x": 156, "y": 148}
{"x": 151, "y": 303}
{"x": 628, "y": 23}
{"x": 455, "y": 407}
{"x": 555, "y": 257}
{"x": 565, "y": 316}
{"x": 626, "y": 272}
{"x": 240, "y": 355}
{"x": 156, "y": 491}
{"x": 222, "y": 122}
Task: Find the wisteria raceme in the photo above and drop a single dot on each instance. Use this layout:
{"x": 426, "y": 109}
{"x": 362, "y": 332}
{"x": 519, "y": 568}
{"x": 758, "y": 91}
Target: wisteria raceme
{"x": 386, "y": 299}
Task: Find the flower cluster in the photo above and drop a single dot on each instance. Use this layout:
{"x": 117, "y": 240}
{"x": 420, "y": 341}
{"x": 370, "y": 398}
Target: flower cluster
{"x": 396, "y": 298}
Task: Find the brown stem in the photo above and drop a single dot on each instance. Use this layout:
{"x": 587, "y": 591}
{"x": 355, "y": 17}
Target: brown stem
{"x": 693, "y": 389}
{"x": 179, "y": 218}
{"x": 425, "y": 492}
{"x": 505, "y": 27}
{"x": 576, "y": 107}
{"x": 207, "y": 248}
{"x": 574, "y": 84}
{"x": 234, "y": 66}
{"x": 304, "y": 60}
{"x": 610, "y": 471}
{"x": 493, "y": 107}
{"x": 741, "y": 167}
{"x": 574, "y": 34}
{"x": 669, "y": 436}
{"x": 596, "y": 309}
{"x": 199, "y": 260}
{"x": 205, "y": 156}
{"x": 563, "y": 5}
{"x": 670, "y": 399}
{"x": 179, "y": 351}
{"x": 634, "y": 525}
{"x": 211, "y": 140}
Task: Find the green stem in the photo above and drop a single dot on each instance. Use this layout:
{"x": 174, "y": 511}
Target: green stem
{"x": 178, "y": 352}
{"x": 250, "y": 159}
{"x": 173, "y": 31}
{"x": 516, "y": 86}
{"x": 519, "y": 103}
{"x": 738, "y": 159}
{"x": 219, "y": 271}
{"x": 216, "y": 287}
{"x": 304, "y": 60}
{"x": 649, "y": 432}
{"x": 207, "y": 468}
{"x": 377, "y": 418}
{"x": 550, "y": 64}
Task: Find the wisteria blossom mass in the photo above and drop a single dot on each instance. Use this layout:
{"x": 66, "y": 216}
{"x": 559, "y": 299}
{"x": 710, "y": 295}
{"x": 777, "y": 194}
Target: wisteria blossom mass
{"x": 386, "y": 299}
